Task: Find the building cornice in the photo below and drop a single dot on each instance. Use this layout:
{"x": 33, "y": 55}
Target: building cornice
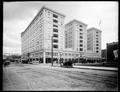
{"x": 93, "y": 28}
{"x": 51, "y": 10}
{"x": 74, "y": 20}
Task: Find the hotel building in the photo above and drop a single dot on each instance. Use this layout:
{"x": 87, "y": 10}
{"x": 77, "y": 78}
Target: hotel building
{"x": 93, "y": 43}
{"x": 36, "y": 39}
{"x": 76, "y": 36}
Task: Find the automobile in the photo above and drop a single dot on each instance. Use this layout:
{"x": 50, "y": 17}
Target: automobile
{"x": 25, "y": 61}
{"x": 35, "y": 62}
{"x": 68, "y": 64}
{"x": 6, "y": 63}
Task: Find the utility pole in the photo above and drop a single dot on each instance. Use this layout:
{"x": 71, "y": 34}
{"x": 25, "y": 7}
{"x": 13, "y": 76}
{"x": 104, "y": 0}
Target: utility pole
{"x": 52, "y": 50}
{"x": 79, "y": 57}
{"x": 60, "y": 59}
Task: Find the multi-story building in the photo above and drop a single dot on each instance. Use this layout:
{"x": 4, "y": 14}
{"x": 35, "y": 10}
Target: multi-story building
{"x": 36, "y": 39}
{"x": 112, "y": 52}
{"x": 93, "y": 43}
{"x": 76, "y": 36}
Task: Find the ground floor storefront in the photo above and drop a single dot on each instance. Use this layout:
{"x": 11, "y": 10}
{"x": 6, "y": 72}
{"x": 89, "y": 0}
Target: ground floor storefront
{"x": 59, "y": 56}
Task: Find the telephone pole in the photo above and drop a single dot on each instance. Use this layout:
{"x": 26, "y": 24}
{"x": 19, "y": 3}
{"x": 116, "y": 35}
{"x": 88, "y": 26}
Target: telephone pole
{"x": 52, "y": 50}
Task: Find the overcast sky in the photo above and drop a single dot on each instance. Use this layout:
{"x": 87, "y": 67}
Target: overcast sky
{"x": 17, "y": 16}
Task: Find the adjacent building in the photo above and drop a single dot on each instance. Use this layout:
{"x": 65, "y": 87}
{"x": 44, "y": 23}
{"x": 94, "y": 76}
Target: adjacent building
{"x": 112, "y": 52}
{"x": 85, "y": 41}
{"x": 93, "y": 43}
{"x": 76, "y": 36}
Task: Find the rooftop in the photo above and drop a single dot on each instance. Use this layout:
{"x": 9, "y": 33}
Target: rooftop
{"x": 50, "y": 10}
{"x": 37, "y": 15}
{"x": 94, "y": 28}
{"x": 74, "y": 20}
{"x": 113, "y": 43}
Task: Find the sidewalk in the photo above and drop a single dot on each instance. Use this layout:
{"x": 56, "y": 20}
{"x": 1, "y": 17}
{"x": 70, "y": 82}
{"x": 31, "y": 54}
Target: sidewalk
{"x": 92, "y": 67}
{"x": 80, "y": 67}
{"x": 96, "y": 68}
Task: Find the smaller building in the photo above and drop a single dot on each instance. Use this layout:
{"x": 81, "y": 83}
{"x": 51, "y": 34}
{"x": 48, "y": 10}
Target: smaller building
{"x": 112, "y": 52}
{"x": 93, "y": 44}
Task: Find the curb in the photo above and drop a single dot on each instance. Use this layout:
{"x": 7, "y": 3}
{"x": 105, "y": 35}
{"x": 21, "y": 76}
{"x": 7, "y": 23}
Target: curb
{"x": 94, "y": 69}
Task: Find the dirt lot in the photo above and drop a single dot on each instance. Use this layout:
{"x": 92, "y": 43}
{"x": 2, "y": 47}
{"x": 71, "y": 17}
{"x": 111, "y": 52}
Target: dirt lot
{"x": 44, "y": 77}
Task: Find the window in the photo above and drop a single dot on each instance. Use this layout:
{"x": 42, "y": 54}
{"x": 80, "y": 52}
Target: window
{"x": 97, "y": 44}
{"x": 55, "y": 16}
{"x": 97, "y": 48}
{"x": 55, "y": 26}
{"x": 81, "y": 30}
{"x": 96, "y": 41}
{"x": 81, "y": 49}
{"x": 55, "y": 21}
{"x": 55, "y": 46}
{"x": 55, "y": 30}
{"x": 77, "y": 55}
{"x": 80, "y": 25}
{"x": 81, "y": 45}
{"x": 81, "y": 37}
{"x": 55, "y": 40}
{"x": 81, "y": 40}
{"x": 97, "y": 51}
{"x": 55, "y": 54}
{"x": 55, "y": 35}
{"x": 81, "y": 33}
{"x": 47, "y": 53}
{"x": 33, "y": 59}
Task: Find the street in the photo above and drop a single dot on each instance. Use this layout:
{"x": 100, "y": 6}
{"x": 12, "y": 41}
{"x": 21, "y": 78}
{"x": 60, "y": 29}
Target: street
{"x": 28, "y": 77}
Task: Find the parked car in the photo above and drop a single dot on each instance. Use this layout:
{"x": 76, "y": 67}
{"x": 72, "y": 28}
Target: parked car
{"x": 6, "y": 63}
{"x": 68, "y": 64}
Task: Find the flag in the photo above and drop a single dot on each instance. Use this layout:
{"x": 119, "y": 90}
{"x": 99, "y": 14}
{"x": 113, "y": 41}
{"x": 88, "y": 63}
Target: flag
{"x": 115, "y": 52}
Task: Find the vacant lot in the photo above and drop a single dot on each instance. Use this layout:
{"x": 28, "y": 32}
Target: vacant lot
{"x": 44, "y": 77}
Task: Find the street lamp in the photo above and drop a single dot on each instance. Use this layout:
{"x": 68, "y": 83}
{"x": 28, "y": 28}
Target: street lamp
{"x": 80, "y": 56}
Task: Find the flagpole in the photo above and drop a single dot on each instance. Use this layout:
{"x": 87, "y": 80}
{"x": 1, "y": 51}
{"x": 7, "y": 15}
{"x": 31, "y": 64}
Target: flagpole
{"x": 106, "y": 51}
{"x": 100, "y": 24}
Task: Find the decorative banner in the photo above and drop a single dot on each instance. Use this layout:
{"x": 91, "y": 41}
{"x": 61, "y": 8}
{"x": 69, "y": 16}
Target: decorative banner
{"x": 115, "y": 53}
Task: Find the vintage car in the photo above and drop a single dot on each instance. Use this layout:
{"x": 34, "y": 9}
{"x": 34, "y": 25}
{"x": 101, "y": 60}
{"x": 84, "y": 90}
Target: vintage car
{"x": 6, "y": 63}
{"x": 67, "y": 64}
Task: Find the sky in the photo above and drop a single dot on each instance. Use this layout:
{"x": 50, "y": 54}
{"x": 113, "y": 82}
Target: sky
{"x": 18, "y": 15}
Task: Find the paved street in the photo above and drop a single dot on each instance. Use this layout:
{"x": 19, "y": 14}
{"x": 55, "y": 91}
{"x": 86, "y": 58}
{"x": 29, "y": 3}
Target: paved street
{"x": 44, "y": 77}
